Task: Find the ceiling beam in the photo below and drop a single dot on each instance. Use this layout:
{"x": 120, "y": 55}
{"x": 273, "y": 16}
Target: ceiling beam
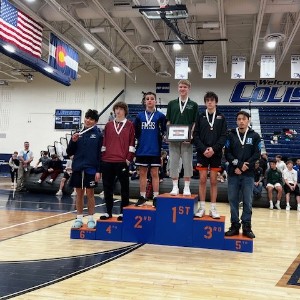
{"x": 156, "y": 37}
{"x": 260, "y": 16}
{"x": 85, "y": 33}
{"x": 223, "y": 33}
{"x": 288, "y": 42}
{"x": 122, "y": 34}
{"x": 193, "y": 47}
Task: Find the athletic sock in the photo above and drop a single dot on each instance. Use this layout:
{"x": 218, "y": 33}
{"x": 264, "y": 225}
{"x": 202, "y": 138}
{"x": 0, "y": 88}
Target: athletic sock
{"x": 80, "y": 217}
{"x": 155, "y": 194}
{"x": 143, "y": 194}
{"x": 202, "y": 204}
{"x": 187, "y": 184}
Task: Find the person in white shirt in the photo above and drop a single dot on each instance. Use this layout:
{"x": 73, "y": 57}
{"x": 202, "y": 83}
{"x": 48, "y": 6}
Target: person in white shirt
{"x": 290, "y": 184}
{"x": 280, "y": 164}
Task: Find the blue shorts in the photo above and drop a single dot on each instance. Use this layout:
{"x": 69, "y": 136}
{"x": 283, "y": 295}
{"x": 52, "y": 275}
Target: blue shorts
{"x": 148, "y": 161}
{"x": 82, "y": 180}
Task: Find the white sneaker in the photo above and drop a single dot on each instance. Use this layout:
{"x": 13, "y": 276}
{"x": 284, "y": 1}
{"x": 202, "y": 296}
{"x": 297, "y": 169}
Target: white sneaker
{"x": 175, "y": 191}
{"x": 200, "y": 212}
{"x": 213, "y": 213}
{"x": 288, "y": 207}
{"x": 101, "y": 194}
{"x": 59, "y": 193}
{"x": 271, "y": 205}
{"x": 74, "y": 193}
{"x": 186, "y": 191}
{"x": 277, "y": 205}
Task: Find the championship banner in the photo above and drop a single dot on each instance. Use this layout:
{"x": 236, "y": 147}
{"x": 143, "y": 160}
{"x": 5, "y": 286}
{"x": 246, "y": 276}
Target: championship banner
{"x": 62, "y": 57}
{"x": 181, "y": 68}
{"x": 19, "y": 30}
{"x": 267, "y": 66}
{"x": 295, "y": 66}
{"x": 238, "y": 67}
{"x": 209, "y": 67}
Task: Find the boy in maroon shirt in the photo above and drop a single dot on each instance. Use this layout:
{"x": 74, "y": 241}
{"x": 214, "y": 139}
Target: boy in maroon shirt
{"x": 117, "y": 153}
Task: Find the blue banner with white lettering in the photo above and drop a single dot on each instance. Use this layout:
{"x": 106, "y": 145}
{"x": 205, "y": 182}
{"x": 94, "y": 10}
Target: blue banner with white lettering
{"x": 162, "y": 87}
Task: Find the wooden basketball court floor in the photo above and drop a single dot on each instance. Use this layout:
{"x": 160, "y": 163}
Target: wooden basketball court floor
{"x": 38, "y": 260}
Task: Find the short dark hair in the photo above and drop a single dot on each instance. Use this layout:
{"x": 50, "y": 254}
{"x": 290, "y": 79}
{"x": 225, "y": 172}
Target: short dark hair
{"x": 150, "y": 93}
{"x": 273, "y": 161}
{"x": 244, "y": 113}
{"x": 92, "y": 114}
{"x": 211, "y": 95}
{"x": 121, "y": 104}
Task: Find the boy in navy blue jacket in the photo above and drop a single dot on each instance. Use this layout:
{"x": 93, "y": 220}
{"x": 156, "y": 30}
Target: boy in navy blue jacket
{"x": 86, "y": 148}
{"x": 242, "y": 150}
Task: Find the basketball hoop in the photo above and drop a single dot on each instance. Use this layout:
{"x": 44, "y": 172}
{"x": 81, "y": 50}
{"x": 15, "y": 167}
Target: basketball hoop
{"x": 163, "y": 3}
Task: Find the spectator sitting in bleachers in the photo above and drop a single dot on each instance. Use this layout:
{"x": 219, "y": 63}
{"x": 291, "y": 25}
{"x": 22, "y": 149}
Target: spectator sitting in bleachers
{"x": 297, "y": 168}
{"x": 54, "y": 169}
{"x": 163, "y": 168}
{"x": 280, "y": 164}
{"x": 133, "y": 171}
{"x": 67, "y": 175}
{"x": 222, "y": 175}
{"x": 263, "y": 162}
{"x": 274, "y": 181}
{"x": 42, "y": 165}
{"x": 258, "y": 179}
{"x": 290, "y": 184}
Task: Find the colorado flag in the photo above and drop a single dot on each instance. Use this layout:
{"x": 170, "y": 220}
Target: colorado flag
{"x": 62, "y": 57}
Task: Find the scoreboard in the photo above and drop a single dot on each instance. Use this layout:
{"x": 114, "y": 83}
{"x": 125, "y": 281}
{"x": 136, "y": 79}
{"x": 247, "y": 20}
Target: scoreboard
{"x": 67, "y": 119}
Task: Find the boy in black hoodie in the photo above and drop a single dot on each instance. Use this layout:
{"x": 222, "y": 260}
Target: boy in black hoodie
{"x": 242, "y": 149}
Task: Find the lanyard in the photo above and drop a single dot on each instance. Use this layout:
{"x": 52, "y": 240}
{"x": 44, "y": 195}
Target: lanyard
{"x": 244, "y": 138}
{"x": 182, "y": 108}
{"x": 118, "y": 131}
{"x": 148, "y": 120}
{"x": 211, "y": 124}
{"x": 86, "y": 130}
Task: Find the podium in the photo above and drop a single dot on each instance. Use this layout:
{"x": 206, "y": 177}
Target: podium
{"x": 83, "y": 233}
{"x": 171, "y": 223}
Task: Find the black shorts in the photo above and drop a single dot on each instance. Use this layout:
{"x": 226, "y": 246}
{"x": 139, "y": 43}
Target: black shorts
{"x": 148, "y": 161}
{"x": 66, "y": 175}
{"x": 82, "y": 180}
{"x": 213, "y": 162}
{"x": 288, "y": 190}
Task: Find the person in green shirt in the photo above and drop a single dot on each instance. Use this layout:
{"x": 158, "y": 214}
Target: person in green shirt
{"x": 274, "y": 181}
{"x": 182, "y": 111}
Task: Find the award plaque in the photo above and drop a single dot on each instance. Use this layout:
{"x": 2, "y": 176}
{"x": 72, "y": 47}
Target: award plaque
{"x": 178, "y": 133}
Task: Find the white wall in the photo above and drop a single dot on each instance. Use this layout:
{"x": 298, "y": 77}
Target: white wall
{"x": 27, "y": 109}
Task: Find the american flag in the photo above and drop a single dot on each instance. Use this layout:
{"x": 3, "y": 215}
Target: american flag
{"x": 20, "y": 30}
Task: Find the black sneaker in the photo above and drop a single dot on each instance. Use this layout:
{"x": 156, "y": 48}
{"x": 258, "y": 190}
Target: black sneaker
{"x": 120, "y": 217}
{"x": 249, "y": 233}
{"x": 141, "y": 201}
{"x": 233, "y": 230}
{"x": 106, "y": 216}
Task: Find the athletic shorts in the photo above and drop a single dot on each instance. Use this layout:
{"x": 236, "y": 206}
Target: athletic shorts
{"x": 214, "y": 163}
{"x": 288, "y": 190}
{"x": 274, "y": 185}
{"x": 82, "y": 180}
{"x": 66, "y": 175}
{"x": 148, "y": 161}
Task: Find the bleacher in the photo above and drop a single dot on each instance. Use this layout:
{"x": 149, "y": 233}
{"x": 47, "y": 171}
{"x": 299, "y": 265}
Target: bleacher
{"x": 273, "y": 120}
